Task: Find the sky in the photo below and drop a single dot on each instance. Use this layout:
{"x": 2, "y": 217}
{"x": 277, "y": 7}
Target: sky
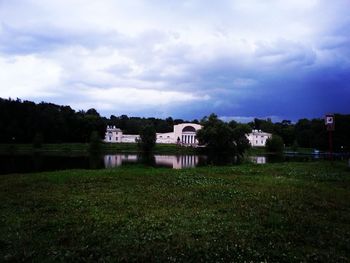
{"x": 240, "y": 59}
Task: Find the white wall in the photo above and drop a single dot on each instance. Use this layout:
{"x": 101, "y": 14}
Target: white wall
{"x": 165, "y": 137}
{"x": 129, "y": 138}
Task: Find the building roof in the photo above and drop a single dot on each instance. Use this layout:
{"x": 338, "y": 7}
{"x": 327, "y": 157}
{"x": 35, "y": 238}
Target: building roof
{"x": 113, "y": 128}
{"x": 260, "y": 132}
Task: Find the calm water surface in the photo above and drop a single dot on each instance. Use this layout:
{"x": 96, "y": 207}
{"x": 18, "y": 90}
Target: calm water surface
{"x": 37, "y": 163}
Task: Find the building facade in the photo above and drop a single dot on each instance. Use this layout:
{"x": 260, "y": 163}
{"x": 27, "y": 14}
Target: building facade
{"x": 184, "y": 134}
{"x": 258, "y": 138}
{"x": 115, "y": 135}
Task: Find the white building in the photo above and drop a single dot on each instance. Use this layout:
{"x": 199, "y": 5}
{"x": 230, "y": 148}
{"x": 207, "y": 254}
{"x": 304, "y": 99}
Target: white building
{"x": 184, "y": 133}
{"x": 115, "y": 135}
{"x": 258, "y": 138}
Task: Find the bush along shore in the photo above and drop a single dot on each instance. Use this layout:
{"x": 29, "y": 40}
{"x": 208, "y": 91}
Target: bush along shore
{"x": 283, "y": 212}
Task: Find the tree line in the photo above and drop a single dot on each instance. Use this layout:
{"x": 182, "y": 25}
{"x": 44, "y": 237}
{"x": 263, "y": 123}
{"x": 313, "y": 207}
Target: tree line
{"x": 23, "y": 121}
{"x": 309, "y": 133}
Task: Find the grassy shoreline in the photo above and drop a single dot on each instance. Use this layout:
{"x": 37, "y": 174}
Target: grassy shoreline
{"x": 82, "y": 148}
{"x": 285, "y": 212}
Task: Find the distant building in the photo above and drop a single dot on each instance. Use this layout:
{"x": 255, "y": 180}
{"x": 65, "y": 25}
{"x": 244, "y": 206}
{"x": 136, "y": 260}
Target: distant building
{"x": 115, "y": 135}
{"x": 258, "y": 138}
{"x": 184, "y": 134}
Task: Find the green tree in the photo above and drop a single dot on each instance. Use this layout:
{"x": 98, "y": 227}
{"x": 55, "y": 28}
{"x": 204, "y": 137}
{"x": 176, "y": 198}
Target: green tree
{"x": 95, "y": 143}
{"x": 275, "y": 144}
{"x": 219, "y": 136}
{"x": 147, "y": 139}
{"x": 239, "y": 136}
{"x": 215, "y": 134}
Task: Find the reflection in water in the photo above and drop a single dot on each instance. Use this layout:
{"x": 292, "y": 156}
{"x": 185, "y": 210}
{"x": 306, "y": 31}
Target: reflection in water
{"x": 258, "y": 159}
{"x": 37, "y": 160}
{"x": 177, "y": 162}
{"x": 41, "y": 162}
{"x": 95, "y": 161}
{"x": 222, "y": 159}
{"x": 173, "y": 161}
{"x": 118, "y": 159}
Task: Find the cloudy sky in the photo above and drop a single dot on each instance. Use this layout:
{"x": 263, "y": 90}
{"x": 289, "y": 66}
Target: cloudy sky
{"x": 284, "y": 59}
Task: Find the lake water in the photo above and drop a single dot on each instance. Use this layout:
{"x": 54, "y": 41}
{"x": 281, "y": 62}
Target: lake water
{"x": 38, "y": 163}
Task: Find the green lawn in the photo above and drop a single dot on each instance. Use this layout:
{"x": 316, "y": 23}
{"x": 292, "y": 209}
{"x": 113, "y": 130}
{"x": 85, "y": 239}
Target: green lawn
{"x": 285, "y": 212}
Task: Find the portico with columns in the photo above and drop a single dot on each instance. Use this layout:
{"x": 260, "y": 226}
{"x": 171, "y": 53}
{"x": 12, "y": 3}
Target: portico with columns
{"x": 185, "y": 133}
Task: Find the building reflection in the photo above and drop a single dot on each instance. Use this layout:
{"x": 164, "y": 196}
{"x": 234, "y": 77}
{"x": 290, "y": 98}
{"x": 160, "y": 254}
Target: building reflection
{"x": 177, "y": 162}
{"x": 172, "y": 161}
{"x": 258, "y": 159}
{"x": 116, "y": 160}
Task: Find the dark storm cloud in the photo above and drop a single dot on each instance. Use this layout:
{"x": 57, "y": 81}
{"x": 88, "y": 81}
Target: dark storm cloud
{"x": 285, "y": 59}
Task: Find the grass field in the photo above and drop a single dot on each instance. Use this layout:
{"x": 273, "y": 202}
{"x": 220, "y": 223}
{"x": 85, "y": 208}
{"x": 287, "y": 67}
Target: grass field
{"x": 286, "y": 212}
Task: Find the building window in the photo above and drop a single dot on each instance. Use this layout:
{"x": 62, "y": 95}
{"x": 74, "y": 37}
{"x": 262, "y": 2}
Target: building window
{"x": 262, "y": 142}
{"x": 256, "y": 142}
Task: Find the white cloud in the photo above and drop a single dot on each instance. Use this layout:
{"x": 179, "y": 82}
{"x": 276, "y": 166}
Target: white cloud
{"x": 243, "y": 82}
{"x": 130, "y": 100}
{"x": 124, "y": 96}
{"x": 28, "y": 77}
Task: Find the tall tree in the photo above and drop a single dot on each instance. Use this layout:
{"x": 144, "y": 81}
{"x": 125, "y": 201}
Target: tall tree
{"x": 147, "y": 139}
